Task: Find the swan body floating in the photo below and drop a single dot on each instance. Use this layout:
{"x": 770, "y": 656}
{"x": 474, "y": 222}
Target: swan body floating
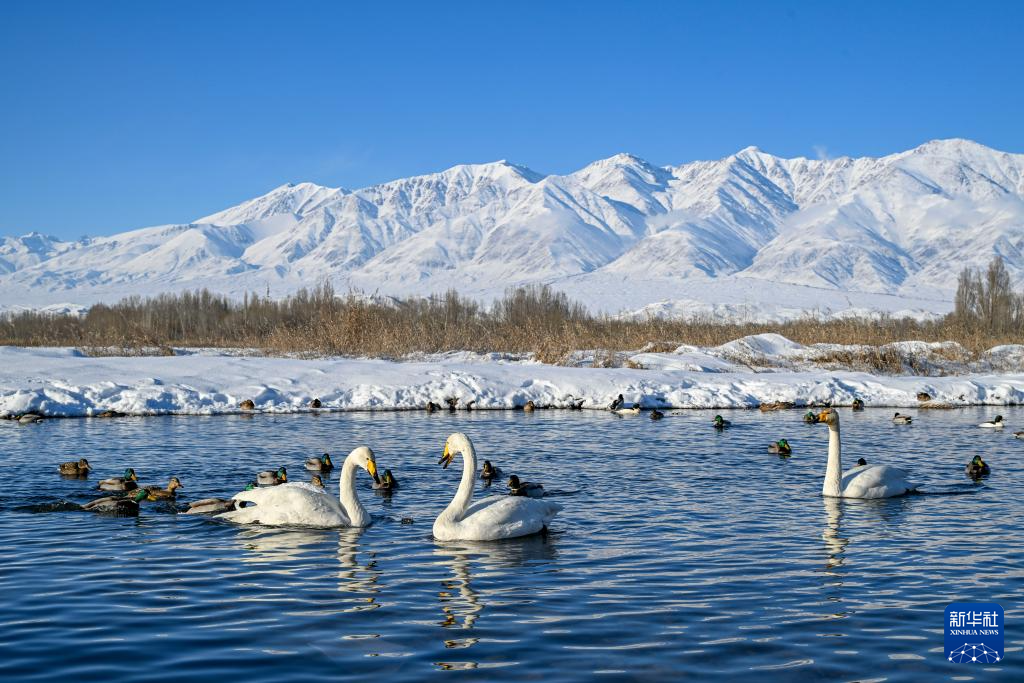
{"x": 118, "y": 506}
{"x": 302, "y": 504}
{"x": 126, "y": 482}
{"x": 77, "y": 469}
{"x": 320, "y": 464}
{"x": 157, "y": 493}
{"x": 494, "y": 517}
{"x": 268, "y": 478}
{"x": 524, "y": 488}
{"x": 721, "y": 423}
{"x": 902, "y": 419}
{"x": 994, "y": 424}
{"x": 977, "y": 468}
{"x": 863, "y": 481}
{"x": 781, "y": 447}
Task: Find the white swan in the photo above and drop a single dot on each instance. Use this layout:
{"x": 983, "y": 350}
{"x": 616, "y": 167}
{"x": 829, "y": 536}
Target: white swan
{"x": 302, "y": 504}
{"x": 492, "y": 518}
{"x": 865, "y": 481}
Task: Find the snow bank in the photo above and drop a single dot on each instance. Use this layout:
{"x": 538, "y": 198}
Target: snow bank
{"x": 63, "y": 382}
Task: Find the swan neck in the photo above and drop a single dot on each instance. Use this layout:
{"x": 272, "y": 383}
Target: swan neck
{"x": 457, "y": 508}
{"x": 834, "y": 469}
{"x": 357, "y": 514}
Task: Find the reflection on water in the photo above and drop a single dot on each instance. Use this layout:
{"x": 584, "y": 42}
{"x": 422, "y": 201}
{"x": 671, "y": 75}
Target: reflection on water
{"x": 680, "y": 549}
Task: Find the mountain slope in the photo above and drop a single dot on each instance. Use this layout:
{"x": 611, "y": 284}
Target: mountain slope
{"x": 900, "y": 225}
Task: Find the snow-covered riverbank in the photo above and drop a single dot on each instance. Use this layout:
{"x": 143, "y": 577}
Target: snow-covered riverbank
{"x": 64, "y": 382}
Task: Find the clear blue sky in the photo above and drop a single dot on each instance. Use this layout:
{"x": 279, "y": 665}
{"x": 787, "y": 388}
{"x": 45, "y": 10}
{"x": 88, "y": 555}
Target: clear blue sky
{"x": 116, "y": 115}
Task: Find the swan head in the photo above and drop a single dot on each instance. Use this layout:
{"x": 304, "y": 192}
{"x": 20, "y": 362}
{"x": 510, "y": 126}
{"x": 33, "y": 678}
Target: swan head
{"x": 456, "y": 443}
{"x": 363, "y": 457}
{"x": 829, "y": 417}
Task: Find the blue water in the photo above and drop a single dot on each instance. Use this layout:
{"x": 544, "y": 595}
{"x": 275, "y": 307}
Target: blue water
{"x": 681, "y": 551}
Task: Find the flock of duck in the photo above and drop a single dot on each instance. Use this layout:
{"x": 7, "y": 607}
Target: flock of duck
{"x": 271, "y": 499}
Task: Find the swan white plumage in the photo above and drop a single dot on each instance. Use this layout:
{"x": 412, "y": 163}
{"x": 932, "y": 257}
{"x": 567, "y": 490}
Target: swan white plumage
{"x": 301, "y": 504}
{"x": 864, "y": 481}
{"x": 494, "y": 517}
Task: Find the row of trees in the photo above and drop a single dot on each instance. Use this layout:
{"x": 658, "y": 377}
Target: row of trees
{"x": 985, "y": 300}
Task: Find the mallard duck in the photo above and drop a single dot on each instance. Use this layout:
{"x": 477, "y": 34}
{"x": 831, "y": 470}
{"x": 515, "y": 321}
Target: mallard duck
{"x": 858, "y": 404}
{"x": 861, "y": 462}
{"x": 453, "y": 403}
{"x": 977, "y": 468}
{"x": 157, "y": 493}
{"x": 315, "y": 480}
{"x": 530, "y": 406}
{"x": 126, "y": 482}
{"x": 721, "y": 423}
{"x": 247, "y": 404}
{"x": 924, "y": 396}
{"x": 810, "y": 417}
{"x": 617, "y": 403}
{"x": 432, "y": 407}
{"x": 524, "y": 488}
{"x": 111, "y": 413}
{"x": 469, "y": 404}
{"x": 77, "y": 469}
{"x": 902, "y": 419}
{"x": 213, "y": 506}
{"x": 118, "y": 506}
{"x": 780, "y": 447}
{"x": 320, "y": 464}
{"x": 30, "y": 418}
{"x": 268, "y": 478}
{"x": 315, "y": 403}
{"x": 387, "y": 482}
{"x": 656, "y": 414}
{"x": 994, "y": 424}
{"x": 489, "y": 471}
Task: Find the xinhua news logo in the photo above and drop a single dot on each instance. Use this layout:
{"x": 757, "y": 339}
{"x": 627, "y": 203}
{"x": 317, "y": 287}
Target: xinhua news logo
{"x": 974, "y": 633}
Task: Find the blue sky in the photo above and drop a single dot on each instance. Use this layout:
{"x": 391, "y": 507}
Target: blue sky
{"x": 116, "y": 115}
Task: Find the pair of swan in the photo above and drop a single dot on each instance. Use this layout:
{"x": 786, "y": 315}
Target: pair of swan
{"x": 492, "y": 518}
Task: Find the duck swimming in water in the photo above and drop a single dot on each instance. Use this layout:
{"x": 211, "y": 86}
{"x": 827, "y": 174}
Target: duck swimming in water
{"x": 157, "y": 493}
{"x": 117, "y": 506}
{"x": 656, "y": 414}
{"x": 78, "y": 469}
{"x": 387, "y": 482}
{"x": 213, "y": 506}
{"x": 126, "y": 482}
{"x": 268, "y": 478}
{"x": 810, "y": 417}
{"x": 489, "y": 471}
{"x": 617, "y": 403}
{"x": 902, "y": 419}
{"x": 977, "y": 468}
{"x": 635, "y": 410}
{"x": 857, "y": 404}
{"x": 997, "y": 423}
{"x": 781, "y": 447}
{"x": 320, "y": 464}
{"x": 721, "y": 423}
{"x": 524, "y": 488}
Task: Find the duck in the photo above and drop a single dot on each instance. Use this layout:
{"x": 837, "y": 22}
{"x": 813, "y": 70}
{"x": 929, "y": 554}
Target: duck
{"x": 126, "y": 482}
{"x": 857, "y": 404}
{"x": 656, "y": 414}
{"x": 530, "y": 406}
{"x": 387, "y": 482}
{"x": 1018, "y": 435}
{"x": 316, "y": 403}
{"x": 316, "y": 481}
{"x": 863, "y": 481}
{"x": 117, "y": 506}
{"x": 861, "y": 462}
{"x": 721, "y": 423}
{"x": 320, "y": 464}
{"x": 157, "y": 493}
{"x": 635, "y": 410}
{"x": 247, "y": 404}
{"x": 575, "y": 403}
{"x": 617, "y": 403}
{"x": 997, "y": 423}
{"x": 453, "y": 403}
{"x": 524, "y": 488}
{"x": 212, "y": 506}
{"x": 489, "y": 471}
{"x": 30, "y": 418}
{"x": 302, "y": 504}
{"x": 977, "y": 468}
{"x": 432, "y": 407}
{"x": 810, "y": 417}
{"x": 268, "y": 478}
{"x": 77, "y": 469}
{"x": 781, "y": 447}
{"x": 494, "y": 517}
{"x": 902, "y": 419}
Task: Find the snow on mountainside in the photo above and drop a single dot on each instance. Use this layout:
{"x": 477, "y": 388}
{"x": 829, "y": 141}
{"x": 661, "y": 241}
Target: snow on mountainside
{"x": 751, "y": 232}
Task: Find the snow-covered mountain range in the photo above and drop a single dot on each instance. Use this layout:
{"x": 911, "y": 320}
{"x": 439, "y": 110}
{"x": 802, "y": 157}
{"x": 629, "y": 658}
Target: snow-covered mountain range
{"x": 750, "y": 234}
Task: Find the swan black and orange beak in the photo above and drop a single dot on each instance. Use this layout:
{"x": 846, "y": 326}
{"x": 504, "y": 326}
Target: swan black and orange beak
{"x": 371, "y": 467}
{"x": 446, "y": 458}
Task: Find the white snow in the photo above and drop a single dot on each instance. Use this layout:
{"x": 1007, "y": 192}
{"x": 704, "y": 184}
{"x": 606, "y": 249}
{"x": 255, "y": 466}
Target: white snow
{"x": 751, "y": 236}
{"x": 64, "y": 382}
